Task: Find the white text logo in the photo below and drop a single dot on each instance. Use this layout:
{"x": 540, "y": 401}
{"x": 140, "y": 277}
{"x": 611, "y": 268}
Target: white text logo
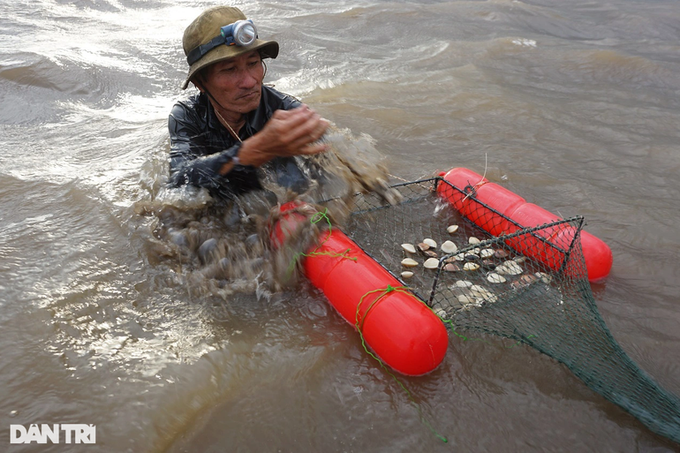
{"x": 73, "y": 434}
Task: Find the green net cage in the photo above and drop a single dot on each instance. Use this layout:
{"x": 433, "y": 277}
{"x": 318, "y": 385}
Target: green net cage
{"x": 530, "y": 286}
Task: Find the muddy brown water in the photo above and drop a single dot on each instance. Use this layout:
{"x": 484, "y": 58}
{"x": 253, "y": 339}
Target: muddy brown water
{"x": 573, "y": 105}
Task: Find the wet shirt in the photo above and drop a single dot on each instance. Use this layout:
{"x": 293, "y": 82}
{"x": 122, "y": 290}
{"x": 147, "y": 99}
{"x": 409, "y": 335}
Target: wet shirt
{"x": 200, "y": 145}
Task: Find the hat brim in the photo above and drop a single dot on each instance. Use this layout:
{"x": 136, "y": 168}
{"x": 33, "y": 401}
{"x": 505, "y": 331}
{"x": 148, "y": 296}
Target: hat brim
{"x": 268, "y": 49}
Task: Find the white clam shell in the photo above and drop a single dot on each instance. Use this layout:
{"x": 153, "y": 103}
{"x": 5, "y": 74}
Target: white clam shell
{"x": 463, "y": 284}
{"x": 449, "y": 247}
{"x": 470, "y": 266}
{"x": 486, "y": 253}
{"x": 465, "y": 299}
{"x": 406, "y": 274}
{"x": 431, "y": 242}
{"x": 409, "y": 262}
{"x": 473, "y": 240}
{"x": 409, "y": 248}
{"x": 478, "y": 290}
{"x": 490, "y": 297}
{"x": 509, "y": 268}
{"x": 452, "y": 229}
{"x": 495, "y": 278}
{"x": 431, "y": 263}
{"x": 482, "y": 294}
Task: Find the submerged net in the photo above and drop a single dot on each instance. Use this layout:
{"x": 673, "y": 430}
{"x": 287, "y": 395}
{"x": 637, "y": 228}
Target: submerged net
{"x": 530, "y": 286}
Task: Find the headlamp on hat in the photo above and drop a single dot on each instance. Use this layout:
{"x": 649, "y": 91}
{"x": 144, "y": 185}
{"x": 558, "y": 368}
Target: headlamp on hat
{"x": 239, "y": 33}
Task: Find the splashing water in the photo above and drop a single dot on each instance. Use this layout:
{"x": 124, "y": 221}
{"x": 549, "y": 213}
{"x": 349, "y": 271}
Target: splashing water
{"x": 222, "y": 247}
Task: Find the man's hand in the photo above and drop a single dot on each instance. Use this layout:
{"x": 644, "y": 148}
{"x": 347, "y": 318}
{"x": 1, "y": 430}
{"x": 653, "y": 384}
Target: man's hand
{"x": 287, "y": 133}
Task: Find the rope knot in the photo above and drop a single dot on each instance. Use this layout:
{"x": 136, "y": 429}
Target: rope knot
{"x": 319, "y": 216}
{"x": 313, "y": 220}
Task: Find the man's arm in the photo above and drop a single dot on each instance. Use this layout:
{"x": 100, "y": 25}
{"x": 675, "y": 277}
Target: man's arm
{"x": 200, "y": 159}
{"x": 287, "y": 133}
{"x": 197, "y": 158}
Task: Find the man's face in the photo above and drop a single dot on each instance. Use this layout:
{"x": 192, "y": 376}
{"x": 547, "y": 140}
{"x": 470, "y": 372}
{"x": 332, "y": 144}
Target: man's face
{"x": 236, "y": 83}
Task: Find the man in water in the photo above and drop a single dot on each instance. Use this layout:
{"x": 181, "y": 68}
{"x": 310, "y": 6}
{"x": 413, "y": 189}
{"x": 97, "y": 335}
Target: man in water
{"x": 220, "y": 136}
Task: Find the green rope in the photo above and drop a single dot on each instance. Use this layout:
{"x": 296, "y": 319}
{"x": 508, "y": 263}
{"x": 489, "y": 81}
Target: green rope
{"x": 359, "y": 324}
{"x": 316, "y": 218}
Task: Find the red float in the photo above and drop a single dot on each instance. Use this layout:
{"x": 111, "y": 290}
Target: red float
{"x": 400, "y": 329}
{"x": 487, "y": 204}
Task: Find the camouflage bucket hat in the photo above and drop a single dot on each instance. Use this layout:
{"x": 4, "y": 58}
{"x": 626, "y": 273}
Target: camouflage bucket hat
{"x": 202, "y": 38}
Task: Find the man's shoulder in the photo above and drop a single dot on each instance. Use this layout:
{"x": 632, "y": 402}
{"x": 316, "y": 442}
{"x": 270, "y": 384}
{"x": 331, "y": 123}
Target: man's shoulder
{"x": 189, "y": 112}
{"x": 278, "y": 99}
{"x": 193, "y": 102}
